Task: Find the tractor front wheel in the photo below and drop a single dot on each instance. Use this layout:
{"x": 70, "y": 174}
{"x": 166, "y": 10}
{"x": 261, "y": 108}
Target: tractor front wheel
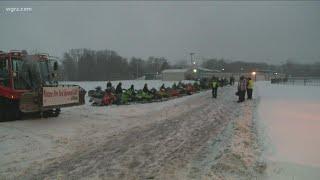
{"x": 51, "y": 113}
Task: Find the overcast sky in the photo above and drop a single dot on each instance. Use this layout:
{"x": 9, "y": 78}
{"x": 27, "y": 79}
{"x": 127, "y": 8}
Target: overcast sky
{"x": 250, "y": 31}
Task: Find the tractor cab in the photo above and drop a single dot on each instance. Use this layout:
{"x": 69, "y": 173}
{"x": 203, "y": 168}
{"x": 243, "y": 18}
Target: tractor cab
{"x": 28, "y": 84}
{"x": 21, "y": 72}
{"x": 4, "y": 70}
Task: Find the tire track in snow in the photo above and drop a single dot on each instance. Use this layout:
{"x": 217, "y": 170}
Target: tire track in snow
{"x": 156, "y": 150}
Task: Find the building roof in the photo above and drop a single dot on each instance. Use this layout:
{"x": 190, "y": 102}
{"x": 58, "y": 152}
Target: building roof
{"x": 207, "y": 70}
{"x": 174, "y": 70}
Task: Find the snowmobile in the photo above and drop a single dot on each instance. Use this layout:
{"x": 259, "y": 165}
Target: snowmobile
{"x": 97, "y": 93}
{"x": 108, "y": 98}
{"x": 190, "y": 89}
{"x": 127, "y": 96}
{"x": 96, "y": 96}
{"x": 143, "y": 97}
{"x": 173, "y": 92}
{"x": 204, "y": 83}
{"x": 163, "y": 93}
{"x": 196, "y": 86}
{"x": 159, "y": 95}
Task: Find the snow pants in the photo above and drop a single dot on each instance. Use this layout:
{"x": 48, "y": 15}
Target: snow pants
{"x": 249, "y": 93}
{"x": 242, "y": 95}
{"x": 214, "y": 92}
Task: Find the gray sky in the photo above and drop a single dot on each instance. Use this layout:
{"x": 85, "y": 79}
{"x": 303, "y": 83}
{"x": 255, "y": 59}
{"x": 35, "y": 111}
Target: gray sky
{"x": 250, "y": 31}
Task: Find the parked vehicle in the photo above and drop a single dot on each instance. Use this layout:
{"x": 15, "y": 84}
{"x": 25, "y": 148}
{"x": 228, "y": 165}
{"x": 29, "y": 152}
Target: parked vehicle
{"x": 28, "y": 84}
{"x": 101, "y": 97}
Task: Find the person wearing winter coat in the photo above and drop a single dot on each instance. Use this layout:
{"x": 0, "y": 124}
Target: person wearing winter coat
{"x": 214, "y": 86}
{"x": 242, "y": 87}
{"x": 174, "y": 86}
{"x": 132, "y": 90}
{"x": 145, "y": 89}
{"x": 119, "y": 88}
{"x": 118, "y": 93}
{"x": 250, "y": 88}
{"x": 109, "y": 87}
{"x": 162, "y": 88}
{"x": 231, "y": 81}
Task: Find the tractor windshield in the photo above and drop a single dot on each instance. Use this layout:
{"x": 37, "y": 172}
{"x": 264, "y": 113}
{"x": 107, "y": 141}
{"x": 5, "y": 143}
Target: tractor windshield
{"x": 21, "y": 77}
{"x": 4, "y": 73}
{"x": 44, "y": 72}
{"x": 30, "y": 73}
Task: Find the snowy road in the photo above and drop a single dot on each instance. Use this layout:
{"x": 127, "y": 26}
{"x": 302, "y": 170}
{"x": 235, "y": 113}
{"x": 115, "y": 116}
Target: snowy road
{"x": 185, "y": 138}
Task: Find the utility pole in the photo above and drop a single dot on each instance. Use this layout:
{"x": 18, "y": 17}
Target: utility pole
{"x": 191, "y": 54}
{"x": 137, "y": 71}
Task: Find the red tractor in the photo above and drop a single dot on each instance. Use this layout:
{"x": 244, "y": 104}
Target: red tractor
{"x": 28, "y": 85}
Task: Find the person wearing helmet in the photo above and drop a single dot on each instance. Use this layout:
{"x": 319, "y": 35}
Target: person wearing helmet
{"x": 132, "y": 90}
{"x": 162, "y": 88}
{"x": 109, "y": 85}
{"x": 146, "y": 89}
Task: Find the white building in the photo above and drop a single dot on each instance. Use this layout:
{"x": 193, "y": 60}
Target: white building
{"x": 187, "y": 74}
{"x": 174, "y": 74}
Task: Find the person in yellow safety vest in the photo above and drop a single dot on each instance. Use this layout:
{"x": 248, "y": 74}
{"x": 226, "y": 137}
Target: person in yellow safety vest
{"x": 214, "y": 87}
{"x": 249, "y": 88}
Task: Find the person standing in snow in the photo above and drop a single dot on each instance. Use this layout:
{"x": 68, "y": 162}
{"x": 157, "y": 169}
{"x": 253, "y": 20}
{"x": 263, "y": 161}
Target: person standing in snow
{"x": 119, "y": 88}
{"x": 214, "y": 86}
{"x": 242, "y": 87}
{"x": 109, "y": 87}
{"x": 250, "y": 88}
{"x": 231, "y": 81}
{"x": 174, "y": 86}
{"x": 119, "y": 93}
{"x": 132, "y": 90}
{"x": 145, "y": 88}
{"x": 162, "y": 88}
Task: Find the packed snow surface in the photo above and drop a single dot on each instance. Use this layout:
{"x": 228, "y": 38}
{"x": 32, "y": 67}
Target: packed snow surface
{"x": 192, "y": 137}
{"x": 291, "y": 115}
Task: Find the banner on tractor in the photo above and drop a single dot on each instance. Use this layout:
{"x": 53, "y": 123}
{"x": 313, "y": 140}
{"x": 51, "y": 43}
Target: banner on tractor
{"x": 61, "y": 95}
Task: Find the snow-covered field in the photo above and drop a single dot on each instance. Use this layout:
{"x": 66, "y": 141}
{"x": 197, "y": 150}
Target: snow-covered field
{"x": 193, "y": 137}
{"x": 291, "y": 116}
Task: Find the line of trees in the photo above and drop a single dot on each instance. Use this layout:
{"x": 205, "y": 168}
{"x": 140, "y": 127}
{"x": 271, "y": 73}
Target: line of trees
{"x": 102, "y": 65}
{"x": 290, "y": 68}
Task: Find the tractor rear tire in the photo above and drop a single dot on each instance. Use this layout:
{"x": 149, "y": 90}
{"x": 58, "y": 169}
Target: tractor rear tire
{"x": 2, "y": 113}
{"x": 13, "y": 112}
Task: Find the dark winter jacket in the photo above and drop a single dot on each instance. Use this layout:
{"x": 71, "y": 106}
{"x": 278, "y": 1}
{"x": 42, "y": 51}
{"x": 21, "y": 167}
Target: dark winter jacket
{"x": 119, "y": 89}
{"x": 242, "y": 86}
{"x": 145, "y": 89}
